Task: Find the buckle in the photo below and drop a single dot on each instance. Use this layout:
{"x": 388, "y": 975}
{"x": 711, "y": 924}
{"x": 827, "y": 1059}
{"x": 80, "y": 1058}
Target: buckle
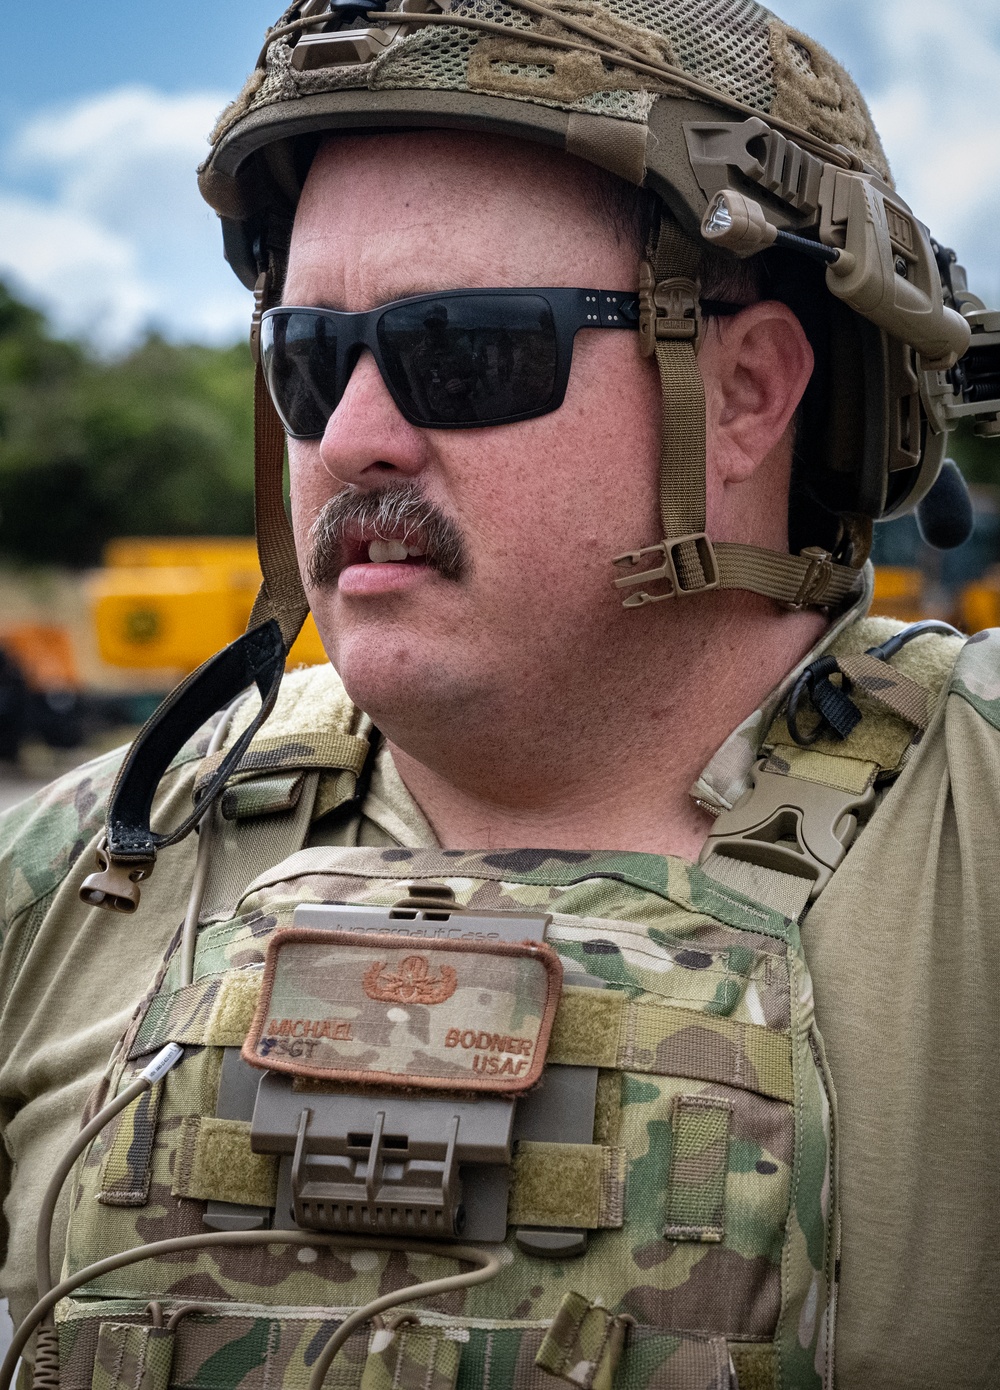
{"x": 260, "y": 296}
{"x": 116, "y": 883}
{"x": 816, "y": 579}
{"x": 379, "y": 1164}
{"x": 786, "y": 823}
{"x": 670, "y": 570}
{"x": 668, "y": 309}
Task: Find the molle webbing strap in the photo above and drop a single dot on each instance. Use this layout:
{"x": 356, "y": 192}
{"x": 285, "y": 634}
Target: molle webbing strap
{"x": 262, "y": 1345}
{"x": 592, "y": 1028}
{"x": 584, "y": 1344}
{"x": 320, "y": 749}
{"x": 699, "y": 1163}
{"x": 126, "y": 1171}
{"x": 411, "y": 1357}
{"x": 131, "y": 1356}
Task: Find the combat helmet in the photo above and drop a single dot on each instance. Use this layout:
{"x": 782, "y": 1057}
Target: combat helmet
{"x": 752, "y": 140}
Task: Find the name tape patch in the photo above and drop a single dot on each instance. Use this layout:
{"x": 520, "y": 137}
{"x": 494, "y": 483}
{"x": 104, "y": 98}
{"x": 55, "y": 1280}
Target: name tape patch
{"x": 377, "y": 1009}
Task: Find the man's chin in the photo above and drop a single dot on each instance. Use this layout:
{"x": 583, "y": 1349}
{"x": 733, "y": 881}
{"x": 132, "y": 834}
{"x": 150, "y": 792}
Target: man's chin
{"x": 388, "y": 660}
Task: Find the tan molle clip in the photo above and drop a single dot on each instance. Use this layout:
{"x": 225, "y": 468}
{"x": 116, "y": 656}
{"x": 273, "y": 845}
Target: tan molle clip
{"x": 260, "y": 297}
{"x": 115, "y": 886}
{"x": 670, "y": 570}
{"x": 668, "y": 310}
{"x": 793, "y": 826}
{"x": 816, "y": 579}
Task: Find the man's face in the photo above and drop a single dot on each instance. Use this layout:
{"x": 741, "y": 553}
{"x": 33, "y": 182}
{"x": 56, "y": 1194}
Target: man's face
{"x": 521, "y": 520}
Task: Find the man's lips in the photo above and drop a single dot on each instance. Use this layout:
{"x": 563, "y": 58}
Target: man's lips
{"x": 394, "y": 528}
{"x": 376, "y": 566}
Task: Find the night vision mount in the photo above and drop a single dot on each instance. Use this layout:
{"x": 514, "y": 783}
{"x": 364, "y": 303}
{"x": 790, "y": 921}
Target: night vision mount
{"x": 345, "y": 36}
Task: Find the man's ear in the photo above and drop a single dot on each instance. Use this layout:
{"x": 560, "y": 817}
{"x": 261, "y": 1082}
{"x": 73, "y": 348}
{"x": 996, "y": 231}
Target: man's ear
{"x": 756, "y": 366}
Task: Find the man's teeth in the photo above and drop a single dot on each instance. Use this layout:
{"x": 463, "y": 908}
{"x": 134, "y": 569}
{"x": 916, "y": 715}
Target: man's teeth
{"x": 391, "y": 552}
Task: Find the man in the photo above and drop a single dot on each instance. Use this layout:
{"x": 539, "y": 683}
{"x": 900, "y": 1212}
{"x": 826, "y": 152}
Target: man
{"x": 461, "y": 580}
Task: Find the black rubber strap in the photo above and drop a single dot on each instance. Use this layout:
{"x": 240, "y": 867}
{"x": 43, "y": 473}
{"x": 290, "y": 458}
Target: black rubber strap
{"x": 256, "y": 658}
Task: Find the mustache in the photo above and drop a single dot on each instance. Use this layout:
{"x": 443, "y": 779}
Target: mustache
{"x": 398, "y": 511}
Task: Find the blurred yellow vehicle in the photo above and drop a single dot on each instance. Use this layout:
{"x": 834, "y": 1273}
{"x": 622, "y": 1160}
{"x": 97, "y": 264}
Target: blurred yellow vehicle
{"x": 899, "y": 593}
{"x": 979, "y": 602}
{"x": 160, "y": 606}
{"x": 174, "y": 602}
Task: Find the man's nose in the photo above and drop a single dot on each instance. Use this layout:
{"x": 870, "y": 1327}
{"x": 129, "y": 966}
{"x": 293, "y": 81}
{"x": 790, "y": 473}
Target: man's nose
{"x": 366, "y": 437}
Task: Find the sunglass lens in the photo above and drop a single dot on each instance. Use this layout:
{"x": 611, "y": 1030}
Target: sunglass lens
{"x": 471, "y": 360}
{"x": 299, "y": 357}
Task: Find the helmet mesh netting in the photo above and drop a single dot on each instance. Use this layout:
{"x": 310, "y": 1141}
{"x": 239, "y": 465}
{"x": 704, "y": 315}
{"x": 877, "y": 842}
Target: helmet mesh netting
{"x": 736, "y": 47}
{"x": 722, "y": 42}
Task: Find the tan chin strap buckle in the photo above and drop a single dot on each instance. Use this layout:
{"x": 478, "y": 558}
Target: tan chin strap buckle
{"x": 816, "y": 580}
{"x": 676, "y": 568}
{"x": 668, "y": 310}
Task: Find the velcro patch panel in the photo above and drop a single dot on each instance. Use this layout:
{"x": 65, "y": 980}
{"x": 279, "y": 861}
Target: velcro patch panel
{"x": 373, "y": 1008}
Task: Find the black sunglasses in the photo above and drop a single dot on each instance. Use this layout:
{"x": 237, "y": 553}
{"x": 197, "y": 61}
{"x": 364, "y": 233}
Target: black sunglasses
{"x": 454, "y": 360}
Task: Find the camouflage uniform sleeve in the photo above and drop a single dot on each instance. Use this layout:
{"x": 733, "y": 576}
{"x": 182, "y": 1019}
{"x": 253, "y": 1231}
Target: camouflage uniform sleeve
{"x": 53, "y": 966}
{"x": 904, "y": 952}
{"x": 976, "y": 677}
{"x": 41, "y": 839}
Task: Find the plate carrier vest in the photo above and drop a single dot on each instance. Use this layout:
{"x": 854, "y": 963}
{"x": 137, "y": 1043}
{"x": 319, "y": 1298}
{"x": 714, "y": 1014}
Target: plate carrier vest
{"x": 664, "y": 1200}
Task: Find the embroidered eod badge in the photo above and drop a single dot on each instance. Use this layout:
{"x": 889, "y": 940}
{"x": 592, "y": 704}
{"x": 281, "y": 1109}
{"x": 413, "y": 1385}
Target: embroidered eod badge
{"x": 376, "y": 1009}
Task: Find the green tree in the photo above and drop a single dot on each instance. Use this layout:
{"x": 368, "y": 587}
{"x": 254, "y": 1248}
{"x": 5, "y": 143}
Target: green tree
{"x": 158, "y": 442}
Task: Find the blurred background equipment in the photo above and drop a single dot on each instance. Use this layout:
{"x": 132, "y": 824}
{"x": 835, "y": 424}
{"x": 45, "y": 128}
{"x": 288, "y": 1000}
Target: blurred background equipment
{"x": 126, "y": 507}
{"x": 158, "y": 608}
{"x": 173, "y": 602}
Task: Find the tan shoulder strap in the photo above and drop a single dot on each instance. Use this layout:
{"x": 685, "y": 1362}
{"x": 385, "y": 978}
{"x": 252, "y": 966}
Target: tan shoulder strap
{"x": 786, "y": 837}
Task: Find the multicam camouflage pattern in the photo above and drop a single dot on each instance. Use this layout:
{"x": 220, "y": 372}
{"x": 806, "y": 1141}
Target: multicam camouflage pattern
{"x": 412, "y": 1358}
{"x": 131, "y": 1357}
{"x": 700, "y": 984}
{"x": 584, "y": 1344}
{"x": 975, "y": 676}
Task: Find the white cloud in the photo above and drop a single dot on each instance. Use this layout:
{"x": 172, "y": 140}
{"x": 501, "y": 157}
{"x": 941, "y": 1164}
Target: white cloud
{"x": 931, "y": 72}
{"x": 103, "y": 225}
{"x": 119, "y": 240}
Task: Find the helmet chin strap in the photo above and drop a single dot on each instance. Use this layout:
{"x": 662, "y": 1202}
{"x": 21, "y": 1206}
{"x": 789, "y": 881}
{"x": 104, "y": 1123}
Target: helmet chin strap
{"x": 281, "y": 595}
{"x": 670, "y": 328}
{"x": 127, "y": 853}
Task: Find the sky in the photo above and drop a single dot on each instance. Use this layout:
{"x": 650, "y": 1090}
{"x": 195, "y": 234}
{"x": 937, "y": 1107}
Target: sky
{"x": 101, "y": 130}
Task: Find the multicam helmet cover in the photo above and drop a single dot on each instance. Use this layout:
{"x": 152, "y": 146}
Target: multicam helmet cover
{"x": 747, "y": 131}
